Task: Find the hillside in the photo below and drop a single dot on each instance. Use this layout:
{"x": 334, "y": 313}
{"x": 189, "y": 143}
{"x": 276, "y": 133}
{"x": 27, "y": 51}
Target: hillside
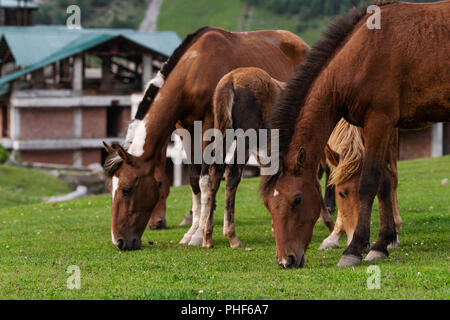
{"x": 19, "y": 186}
{"x": 185, "y": 16}
{"x": 94, "y": 13}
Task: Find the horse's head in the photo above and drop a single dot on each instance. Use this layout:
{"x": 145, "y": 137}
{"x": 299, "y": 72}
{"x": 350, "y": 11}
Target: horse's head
{"x": 347, "y": 190}
{"x": 294, "y": 202}
{"x": 135, "y": 193}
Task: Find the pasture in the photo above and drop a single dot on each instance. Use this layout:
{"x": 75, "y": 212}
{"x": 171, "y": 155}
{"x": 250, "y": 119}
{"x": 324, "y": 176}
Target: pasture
{"x": 39, "y": 241}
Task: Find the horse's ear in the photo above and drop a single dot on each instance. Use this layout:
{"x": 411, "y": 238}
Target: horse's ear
{"x": 332, "y": 156}
{"x": 301, "y": 157}
{"x": 108, "y": 148}
{"x": 128, "y": 158}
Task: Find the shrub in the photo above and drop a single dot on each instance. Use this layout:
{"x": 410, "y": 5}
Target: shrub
{"x": 4, "y": 154}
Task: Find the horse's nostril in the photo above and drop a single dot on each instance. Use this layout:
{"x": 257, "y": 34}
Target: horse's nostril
{"x": 120, "y": 244}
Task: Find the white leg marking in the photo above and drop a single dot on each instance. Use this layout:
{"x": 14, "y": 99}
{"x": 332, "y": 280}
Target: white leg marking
{"x": 197, "y": 237}
{"x": 195, "y": 219}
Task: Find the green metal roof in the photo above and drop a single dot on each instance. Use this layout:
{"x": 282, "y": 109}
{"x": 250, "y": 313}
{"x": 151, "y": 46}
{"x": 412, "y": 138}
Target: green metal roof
{"x": 37, "y": 46}
{"x": 18, "y": 4}
{"x": 30, "y": 45}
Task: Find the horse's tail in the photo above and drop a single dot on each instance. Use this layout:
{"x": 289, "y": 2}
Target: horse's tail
{"x": 223, "y": 104}
{"x": 156, "y": 83}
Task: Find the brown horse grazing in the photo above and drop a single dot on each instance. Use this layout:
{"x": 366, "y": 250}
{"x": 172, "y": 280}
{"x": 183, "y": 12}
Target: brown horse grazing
{"x": 378, "y": 79}
{"x": 183, "y": 91}
{"x": 345, "y": 151}
{"x": 242, "y": 100}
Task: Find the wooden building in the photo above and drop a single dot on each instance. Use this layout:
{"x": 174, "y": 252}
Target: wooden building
{"x": 64, "y": 91}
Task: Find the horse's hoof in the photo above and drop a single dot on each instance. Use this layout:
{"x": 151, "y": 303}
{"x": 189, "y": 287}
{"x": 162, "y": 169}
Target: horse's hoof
{"x": 349, "y": 260}
{"x": 186, "y": 239}
{"x": 394, "y": 244}
{"x": 196, "y": 240}
{"x": 187, "y": 220}
{"x": 375, "y": 255}
{"x": 208, "y": 244}
{"x": 328, "y": 244}
{"x": 235, "y": 243}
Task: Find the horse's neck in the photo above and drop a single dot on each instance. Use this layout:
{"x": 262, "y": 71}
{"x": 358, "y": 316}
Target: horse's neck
{"x": 314, "y": 126}
{"x": 160, "y": 120}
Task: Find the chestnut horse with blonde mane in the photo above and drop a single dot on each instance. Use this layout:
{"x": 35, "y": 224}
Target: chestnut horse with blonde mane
{"x": 344, "y": 151}
{"x": 183, "y": 91}
{"x": 378, "y": 79}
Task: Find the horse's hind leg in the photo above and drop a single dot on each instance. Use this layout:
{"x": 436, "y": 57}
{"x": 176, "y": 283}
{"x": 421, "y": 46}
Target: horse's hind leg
{"x": 215, "y": 174}
{"x": 233, "y": 175}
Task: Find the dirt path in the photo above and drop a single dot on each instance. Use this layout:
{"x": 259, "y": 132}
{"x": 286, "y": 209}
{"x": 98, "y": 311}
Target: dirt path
{"x": 151, "y": 16}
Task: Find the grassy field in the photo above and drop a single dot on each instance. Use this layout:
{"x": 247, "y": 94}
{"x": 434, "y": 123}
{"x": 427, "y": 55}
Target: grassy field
{"x": 38, "y": 242}
{"x": 19, "y": 186}
{"x": 186, "y": 16}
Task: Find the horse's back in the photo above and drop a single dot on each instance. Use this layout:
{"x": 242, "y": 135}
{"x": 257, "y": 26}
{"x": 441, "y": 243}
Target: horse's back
{"x": 407, "y": 56}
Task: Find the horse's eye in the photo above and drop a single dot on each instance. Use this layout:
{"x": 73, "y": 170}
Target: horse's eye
{"x": 127, "y": 191}
{"x": 297, "y": 201}
{"x": 159, "y": 184}
{"x": 342, "y": 195}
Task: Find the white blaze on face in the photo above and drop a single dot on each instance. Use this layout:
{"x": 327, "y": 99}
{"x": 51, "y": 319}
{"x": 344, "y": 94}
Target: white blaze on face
{"x": 115, "y": 184}
{"x": 276, "y": 193}
{"x": 137, "y": 146}
{"x": 113, "y": 239}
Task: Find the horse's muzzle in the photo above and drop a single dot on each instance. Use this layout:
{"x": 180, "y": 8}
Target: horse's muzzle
{"x": 292, "y": 262}
{"x": 131, "y": 244}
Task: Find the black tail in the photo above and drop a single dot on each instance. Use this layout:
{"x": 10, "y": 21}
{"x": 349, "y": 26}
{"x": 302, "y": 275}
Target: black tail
{"x": 166, "y": 69}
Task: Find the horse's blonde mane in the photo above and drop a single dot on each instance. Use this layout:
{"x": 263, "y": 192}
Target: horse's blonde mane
{"x": 346, "y": 140}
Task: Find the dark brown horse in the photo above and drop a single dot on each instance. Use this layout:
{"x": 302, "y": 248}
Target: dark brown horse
{"x": 378, "y": 79}
{"x": 242, "y": 100}
{"x": 183, "y": 91}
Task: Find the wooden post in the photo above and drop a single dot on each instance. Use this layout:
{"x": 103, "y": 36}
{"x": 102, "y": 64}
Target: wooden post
{"x": 147, "y": 70}
{"x": 77, "y": 81}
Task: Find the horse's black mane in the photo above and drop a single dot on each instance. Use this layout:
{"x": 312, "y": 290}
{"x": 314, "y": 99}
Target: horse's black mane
{"x": 113, "y": 161}
{"x": 284, "y": 114}
{"x": 166, "y": 69}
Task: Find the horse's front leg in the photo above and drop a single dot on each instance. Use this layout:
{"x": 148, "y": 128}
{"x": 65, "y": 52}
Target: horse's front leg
{"x": 393, "y": 155}
{"x": 195, "y": 188}
{"x": 387, "y": 233}
{"x": 332, "y": 241}
{"x": 377, "y": 139}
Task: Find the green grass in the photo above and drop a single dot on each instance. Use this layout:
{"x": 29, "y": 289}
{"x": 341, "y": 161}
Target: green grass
{"x": 19, "y": 186}
{"x": 186, "y": 16}
{"x": 38, "y": 242}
